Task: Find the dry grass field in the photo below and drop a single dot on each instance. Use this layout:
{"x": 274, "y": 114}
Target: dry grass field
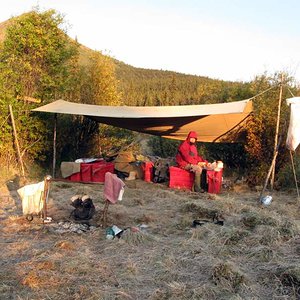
{"x": 255, "y": 255}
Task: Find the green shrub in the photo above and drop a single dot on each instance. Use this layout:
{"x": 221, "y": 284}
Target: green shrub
{"x": 286, "y": 174}
{"x": 163, "y": 147}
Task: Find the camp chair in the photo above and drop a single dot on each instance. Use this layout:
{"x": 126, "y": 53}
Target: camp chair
{"x": 113, "y": 191}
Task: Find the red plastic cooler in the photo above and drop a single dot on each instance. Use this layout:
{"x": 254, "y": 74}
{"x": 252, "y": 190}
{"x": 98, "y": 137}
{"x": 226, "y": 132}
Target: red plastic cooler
{"x": 99, "y": 169}
{"x": 181, "y": 179}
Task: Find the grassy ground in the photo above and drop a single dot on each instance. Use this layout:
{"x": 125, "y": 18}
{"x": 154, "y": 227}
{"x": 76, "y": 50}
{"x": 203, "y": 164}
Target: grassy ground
{"x": 255, "y": 255}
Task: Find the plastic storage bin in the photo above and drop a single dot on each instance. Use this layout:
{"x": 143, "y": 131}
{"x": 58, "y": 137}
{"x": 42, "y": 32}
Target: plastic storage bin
{"x": 181, "y": 179}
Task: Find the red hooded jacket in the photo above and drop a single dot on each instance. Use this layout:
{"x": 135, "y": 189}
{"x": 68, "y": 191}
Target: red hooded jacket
{"x": 188, "y": 153}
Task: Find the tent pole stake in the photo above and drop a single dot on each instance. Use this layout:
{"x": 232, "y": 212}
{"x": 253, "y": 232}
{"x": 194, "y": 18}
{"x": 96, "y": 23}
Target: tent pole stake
{"x": 16, "y": 139}
{"x": 269, "y": 173}
{"x": 54, "y": 146}
{"x": 277, "y": 130}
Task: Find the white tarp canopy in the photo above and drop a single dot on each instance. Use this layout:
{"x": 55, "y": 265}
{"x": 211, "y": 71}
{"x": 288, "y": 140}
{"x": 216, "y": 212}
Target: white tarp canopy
{"x": 220, "y": 122}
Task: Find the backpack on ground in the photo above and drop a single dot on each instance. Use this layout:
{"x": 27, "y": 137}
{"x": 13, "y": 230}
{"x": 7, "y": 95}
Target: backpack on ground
{"x": 161, "y": 169}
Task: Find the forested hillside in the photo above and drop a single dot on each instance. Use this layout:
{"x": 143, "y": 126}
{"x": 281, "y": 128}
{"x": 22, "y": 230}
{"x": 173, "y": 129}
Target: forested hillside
{"x": 157, "y": 87}
{"x": 38, "y": 60}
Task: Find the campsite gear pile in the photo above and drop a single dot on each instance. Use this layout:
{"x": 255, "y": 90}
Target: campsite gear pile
{"x": 84, "y": 208}
{"x": 92, "y": 170}
{"x": 127, "y": 165}
{"x": 161, "y": 169}
{"x": 130, "y": 166}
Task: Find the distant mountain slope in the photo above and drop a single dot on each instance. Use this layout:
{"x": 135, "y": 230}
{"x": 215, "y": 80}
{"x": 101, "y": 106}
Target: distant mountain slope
{"x": 124, "y": 69}
{"x": 140, "y": 86}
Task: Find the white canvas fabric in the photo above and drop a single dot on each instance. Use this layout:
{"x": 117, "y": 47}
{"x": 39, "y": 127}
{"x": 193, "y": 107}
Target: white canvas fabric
{"x": 293, "y": 135}
{"x": 32, "y": 196}
{"x": 219, "y": 122}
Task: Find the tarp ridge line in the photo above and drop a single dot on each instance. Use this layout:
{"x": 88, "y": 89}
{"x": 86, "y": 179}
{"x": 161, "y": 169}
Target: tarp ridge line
{"x": 263, "y": 92}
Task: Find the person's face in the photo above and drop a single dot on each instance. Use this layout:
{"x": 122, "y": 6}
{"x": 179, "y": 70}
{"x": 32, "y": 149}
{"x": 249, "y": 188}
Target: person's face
{"x": 192, "y": 140}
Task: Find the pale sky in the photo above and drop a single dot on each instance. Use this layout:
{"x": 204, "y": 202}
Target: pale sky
{"x": 221, "y": 39}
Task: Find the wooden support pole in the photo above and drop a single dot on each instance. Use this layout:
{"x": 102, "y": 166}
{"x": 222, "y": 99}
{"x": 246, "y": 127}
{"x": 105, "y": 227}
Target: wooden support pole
{"x": 45, "y": 195}
{"x": 268, "y": 176}
{"x": 54, "y": 146}
{"x": 16, "y": 140}
{"x": 277, "y": 132}
{"x": 104, "y": 213}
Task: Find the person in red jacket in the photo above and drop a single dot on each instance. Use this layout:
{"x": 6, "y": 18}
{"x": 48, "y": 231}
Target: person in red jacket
{"x": 188, "y": 158}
